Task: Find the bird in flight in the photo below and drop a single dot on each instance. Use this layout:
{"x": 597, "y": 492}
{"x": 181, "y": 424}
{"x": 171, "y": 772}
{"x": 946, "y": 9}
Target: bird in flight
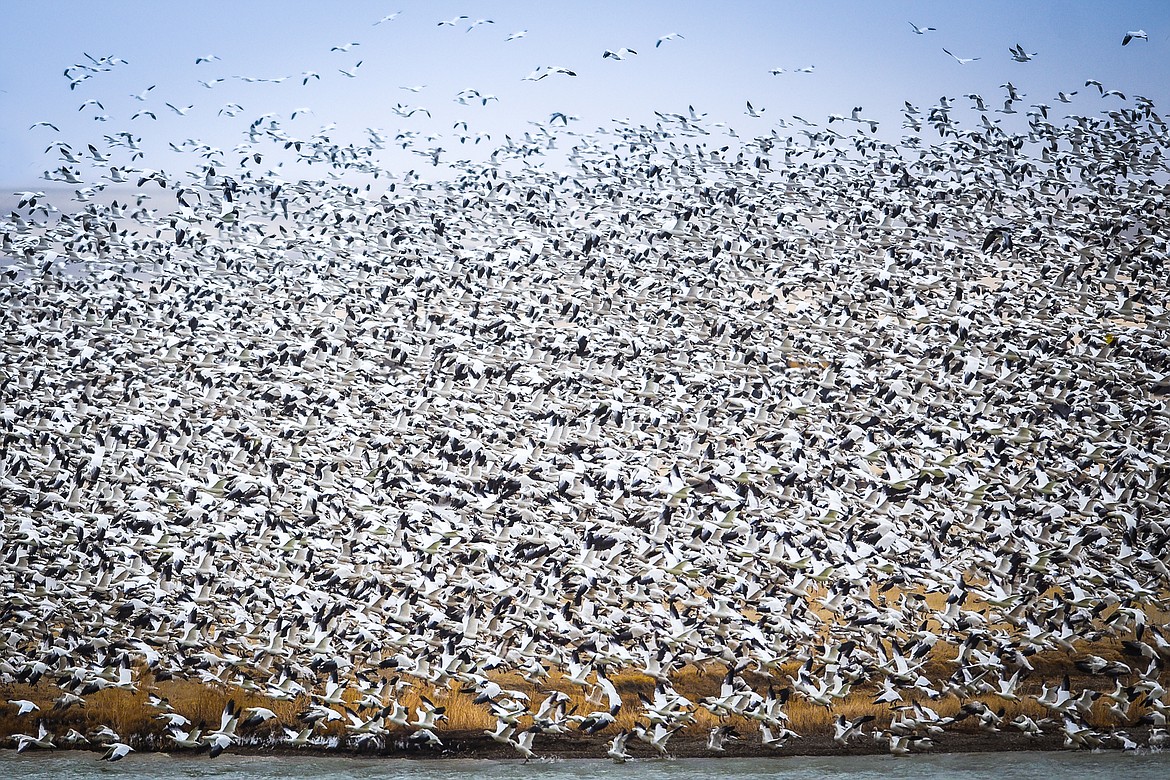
{"x": 962, "y": 60}
{"x": 1019, "y": 55}
{"x": 515, "y": 35}
{"x": 620, "y": 54}
{"x": 452, "y": 22}
{"x": 1129, "y": 36}
{"x": 387, "y": 18}
{"x": 667, "y": 37}
{"x": 920, "y": 30}
{"x": 117, "y": 751}
{"x": 542, "y": 72}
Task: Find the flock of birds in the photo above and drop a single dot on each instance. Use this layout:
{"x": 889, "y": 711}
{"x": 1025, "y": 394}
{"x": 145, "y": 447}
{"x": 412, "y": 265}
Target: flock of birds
{"x": 810, "y": 405}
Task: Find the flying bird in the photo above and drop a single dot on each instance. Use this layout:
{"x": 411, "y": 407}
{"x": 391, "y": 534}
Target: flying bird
{"x": 543, "y": 72}
{"x": 920, "y": 30}
{"x": 1019, "y": 55}
{"x": 999, "y": 237}
{"x": 979, "y": 105}
{"x": 1129, "y": 36}
{"x": 668, "y": 37}
{"x": 23, "y": 706}
{"x": 409, "y": 111}
{"x": 387, "y": 18}
{"x": 1013, "y": 92}
{"x": 962, "y": 60}
{"x": 117, "y": 751}
{"x": 42, "y": 740}
{"x": 620, "y": 54}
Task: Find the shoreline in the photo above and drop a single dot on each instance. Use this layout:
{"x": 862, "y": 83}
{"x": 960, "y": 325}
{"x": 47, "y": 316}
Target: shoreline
{"x": 170, "y": 716}
{"x": 476, "y": 746}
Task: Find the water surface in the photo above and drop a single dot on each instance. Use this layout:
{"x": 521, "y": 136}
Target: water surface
{"x": 1001, "y": 766}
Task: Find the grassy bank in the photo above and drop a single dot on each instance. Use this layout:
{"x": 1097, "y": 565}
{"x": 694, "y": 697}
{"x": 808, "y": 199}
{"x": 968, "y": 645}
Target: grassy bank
{"x": 137, "y": 714}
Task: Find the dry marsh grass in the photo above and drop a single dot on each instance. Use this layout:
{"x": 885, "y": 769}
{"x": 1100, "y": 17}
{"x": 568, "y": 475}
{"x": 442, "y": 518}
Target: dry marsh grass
{"x": 129, "y": 713}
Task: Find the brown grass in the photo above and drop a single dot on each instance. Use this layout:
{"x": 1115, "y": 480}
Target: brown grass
{"x": 129, "y": 714}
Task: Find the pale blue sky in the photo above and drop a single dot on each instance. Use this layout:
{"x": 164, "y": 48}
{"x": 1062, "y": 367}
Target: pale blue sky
{"x": 864, "y": 53}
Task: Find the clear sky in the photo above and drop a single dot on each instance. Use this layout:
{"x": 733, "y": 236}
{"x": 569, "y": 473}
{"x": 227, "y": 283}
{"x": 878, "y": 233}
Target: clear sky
{"x": 863, "y": 53}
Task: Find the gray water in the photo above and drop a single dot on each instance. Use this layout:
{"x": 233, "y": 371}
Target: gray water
{"x": 1000, "y": 766}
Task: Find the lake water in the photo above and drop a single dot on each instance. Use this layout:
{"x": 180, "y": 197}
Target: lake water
{"x": 1001, "y": 766}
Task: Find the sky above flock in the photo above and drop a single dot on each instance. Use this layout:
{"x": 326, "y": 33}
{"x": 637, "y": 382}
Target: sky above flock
{"x": 862, "y": 53}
